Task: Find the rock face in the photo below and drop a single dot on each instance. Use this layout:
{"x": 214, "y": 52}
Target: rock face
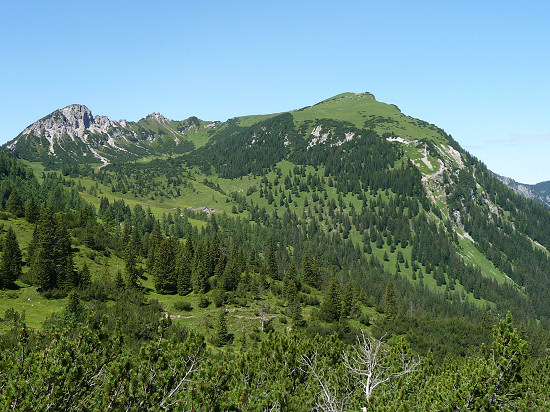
{"x": 75, "y": 134}
{"x": 539, "y": 192}
{"x": 72, "y": 121}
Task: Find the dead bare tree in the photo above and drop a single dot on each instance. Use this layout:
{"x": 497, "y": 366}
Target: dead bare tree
{"x": 368, "y": 361}
{"x": 330, "y": 398}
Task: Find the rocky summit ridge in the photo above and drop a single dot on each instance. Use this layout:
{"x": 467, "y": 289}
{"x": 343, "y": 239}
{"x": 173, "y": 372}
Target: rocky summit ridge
{"x": 74, "y": 121}
{"x": 74, "y": 134}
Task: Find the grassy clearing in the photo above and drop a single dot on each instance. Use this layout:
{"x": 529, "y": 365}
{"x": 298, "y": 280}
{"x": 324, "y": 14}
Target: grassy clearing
{"x": 475, "y": 257}
{"x": 37, "y": 308}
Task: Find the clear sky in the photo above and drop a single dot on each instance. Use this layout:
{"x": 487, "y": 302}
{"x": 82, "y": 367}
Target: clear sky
{"x": 479, "y": 70}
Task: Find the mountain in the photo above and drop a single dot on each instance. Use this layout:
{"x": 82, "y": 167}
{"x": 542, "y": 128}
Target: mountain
{"x": 74, "y": 135}
{"x": 371, "y": 191}
{"x": 261, "y": 264}
{"x": 539, "y": 192}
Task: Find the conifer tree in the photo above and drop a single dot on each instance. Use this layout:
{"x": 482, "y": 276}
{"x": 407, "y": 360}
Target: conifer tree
{"x": 12, "y": 261}
{"x": 130, "y": 267}
{"x": 199, "y": 275}
{"x": 14, "y": 204}
{"x": 349, "y": 298}
{"x": 74, "y": 305}
{"x": 310, "y": 271}
{"x": 155, "y": 238}
{"x": 184, "y": 261}
{"x": 331, "y": 305}
{"x": 221, "y": 333}
{"x": 85, "y": 276}
{"x": 52, "y": 263}
{"x": 389, "y": 300}
{"x": 32, "y": 211}
{"x": 119, "y": 280}
{"x": 272, "y": 262}
{"x": 164, "y": 269}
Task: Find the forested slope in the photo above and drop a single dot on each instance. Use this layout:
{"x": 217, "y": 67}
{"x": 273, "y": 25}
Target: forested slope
{"x": 282, "y": 237}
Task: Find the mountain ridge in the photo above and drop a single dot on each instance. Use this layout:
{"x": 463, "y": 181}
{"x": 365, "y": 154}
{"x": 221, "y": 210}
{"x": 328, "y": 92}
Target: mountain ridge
{"x": 539, "y": 192}
{"x": 74, "y": 134}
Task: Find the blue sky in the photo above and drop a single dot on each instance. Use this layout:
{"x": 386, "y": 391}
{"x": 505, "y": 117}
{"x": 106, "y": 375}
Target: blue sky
{"x": 479, "y": 70}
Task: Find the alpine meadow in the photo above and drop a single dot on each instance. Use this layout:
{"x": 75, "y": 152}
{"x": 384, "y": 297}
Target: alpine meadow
{"x": 343, "y": 256}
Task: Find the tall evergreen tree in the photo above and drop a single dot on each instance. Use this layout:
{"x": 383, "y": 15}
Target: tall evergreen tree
{"x": 221, "y": 333}
{"x": 32, "y": 211}
{"x": 164, "y": 269}
{"x": 389, "y": 301}
{"x": 200, "y": 271}
{"x": 130, "y": 267}
{"x": 184, "y": 261}
{"x": 272, "y": 261}
{"x": 155, "y": 239}
{"x": 52, "y": 263}
{"x": 85, "y": 276}
{"x": 15, "y": 205}
{"x": 331, "y": 305}
{"x": 12, "y": 261}
{"x": 310, "y": 271}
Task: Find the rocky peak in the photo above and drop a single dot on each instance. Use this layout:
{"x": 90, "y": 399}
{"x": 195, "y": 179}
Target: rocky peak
{"x": 158, "y": 117}
{"x": 72, "y": 121}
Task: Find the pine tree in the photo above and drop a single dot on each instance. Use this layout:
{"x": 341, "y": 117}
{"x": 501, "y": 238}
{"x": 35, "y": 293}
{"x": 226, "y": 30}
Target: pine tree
{"x": 199, "y": 274}
{"x": 119, "y": 280}
{"x": 331, "y": 305}
{"x": 12, "y": 262}
{"x": 164, "y": 269}
{"x": 85, "y": 276}
{"x": 389, "y": 300}
{"x": 32, "y": 211}
{"x": 155, "y": 239}
{"x": 184, "y": 261}
{"x": 221, "y": 333}
{"x": 272, "y": 261}
{"x": 52, "y": 263}
{"x": 14, "y": 204}
{"x": 310, "y": 271}
{"x": 130, "y": 267}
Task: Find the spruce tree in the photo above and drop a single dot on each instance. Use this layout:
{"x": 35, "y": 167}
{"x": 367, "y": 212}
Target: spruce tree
{"x": 52, "y": 264}
{"x": 331, "y": 305}
{"x": 310, "y": 271}
{"x": 184, "y": 261}
{"x": 155, "y": 238}
{"x": 119, "y": 280}
{"x": 221, "y": 333}
{"x": 164, "y": 269}
{"x": 74, "y": 305}
{"x": 130, "y": 267}
{"x": 199, "y": 274}
{"x": 15, "y": 205}
{"x": 85, "y": 276}
{"x": 389, "y": 300}
{"x": 12, "y": 262}
{"x": 272, "y": 262}
{"x": 32, "y": 211}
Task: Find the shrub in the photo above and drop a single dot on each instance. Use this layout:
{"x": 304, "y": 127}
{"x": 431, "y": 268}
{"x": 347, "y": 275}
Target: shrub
{"x": 183, "y": 305}
{"x": 204, "y": 302}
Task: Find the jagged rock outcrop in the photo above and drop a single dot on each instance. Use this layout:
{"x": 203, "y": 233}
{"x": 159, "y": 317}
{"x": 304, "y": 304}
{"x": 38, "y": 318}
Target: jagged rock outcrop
{"x": 74, "y": 134}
